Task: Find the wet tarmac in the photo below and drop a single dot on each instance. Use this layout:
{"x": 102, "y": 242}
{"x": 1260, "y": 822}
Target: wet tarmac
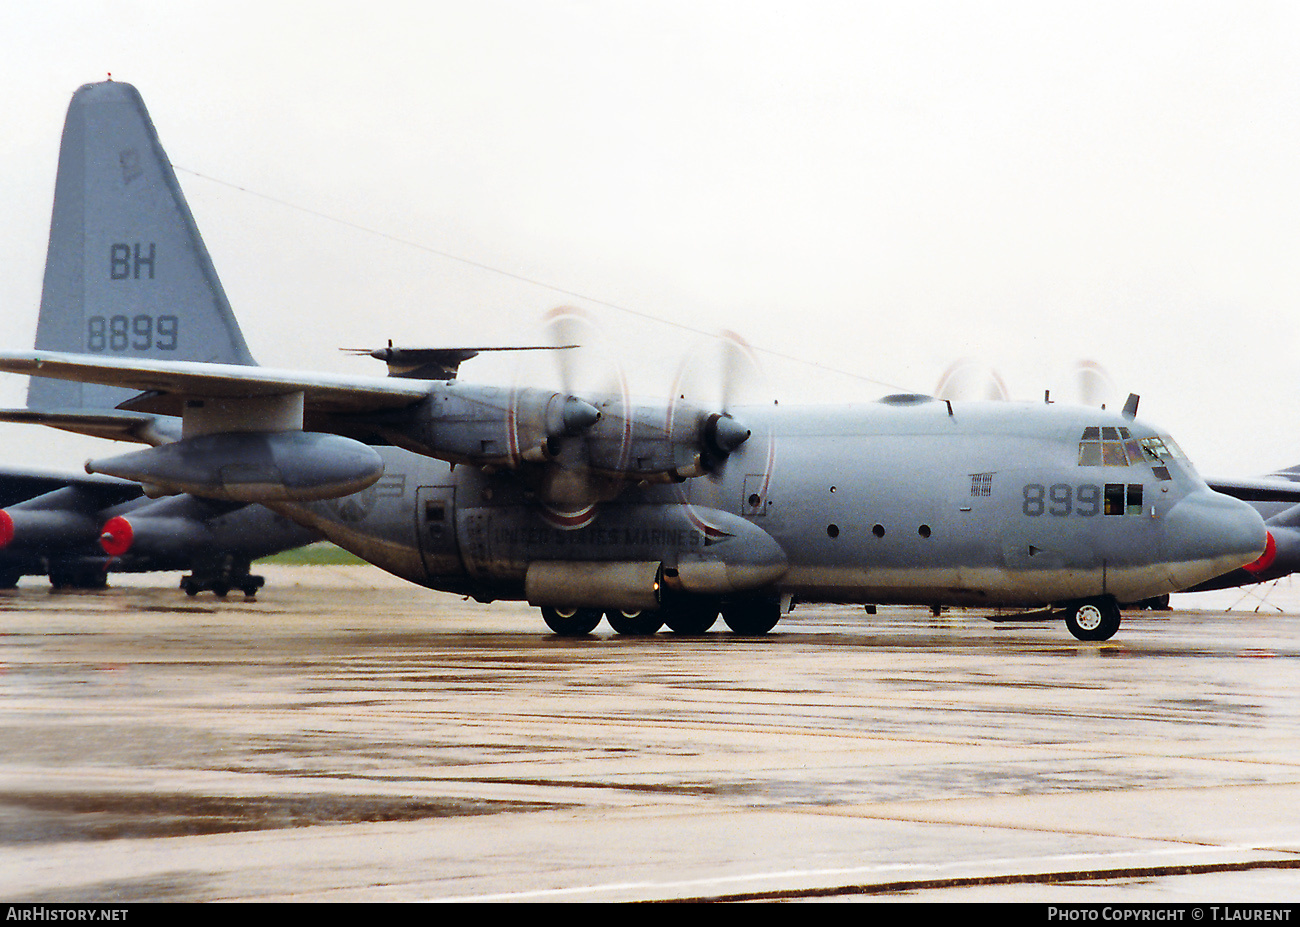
{"x": 348, "y": 736}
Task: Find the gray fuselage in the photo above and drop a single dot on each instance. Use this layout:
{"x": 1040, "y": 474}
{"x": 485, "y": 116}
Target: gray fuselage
{"x": 907, "y": 500}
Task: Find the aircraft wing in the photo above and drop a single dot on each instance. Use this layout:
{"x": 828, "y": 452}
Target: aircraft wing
{"x": 114, "y": 424}
{"x": 1258, "y": 490}
{"x": 174, "y": 381}
{"x": 19, "y": 485}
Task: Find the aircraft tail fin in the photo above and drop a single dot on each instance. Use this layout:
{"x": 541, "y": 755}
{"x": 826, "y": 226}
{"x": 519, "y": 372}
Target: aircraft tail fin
{"x": 127, "y": 274}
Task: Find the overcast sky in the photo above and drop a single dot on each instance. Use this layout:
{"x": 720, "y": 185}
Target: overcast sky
{"x": 879, "y": 188}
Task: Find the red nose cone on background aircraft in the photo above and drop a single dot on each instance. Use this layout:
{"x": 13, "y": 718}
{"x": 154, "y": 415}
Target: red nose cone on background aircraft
{"x": 117, "y": 536}
{"x": 1266, "y": 558}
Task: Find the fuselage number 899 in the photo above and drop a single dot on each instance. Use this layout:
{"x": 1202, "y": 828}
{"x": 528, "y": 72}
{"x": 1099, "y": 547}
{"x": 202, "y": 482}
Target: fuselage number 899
{"x": 132, "y": 333}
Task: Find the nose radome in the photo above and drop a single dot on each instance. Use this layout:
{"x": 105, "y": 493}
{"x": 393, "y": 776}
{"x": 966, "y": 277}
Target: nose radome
{"x": 1208, "y": 534}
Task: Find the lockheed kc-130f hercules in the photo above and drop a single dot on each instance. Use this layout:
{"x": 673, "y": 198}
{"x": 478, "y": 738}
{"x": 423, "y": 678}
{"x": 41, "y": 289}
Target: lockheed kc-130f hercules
{"x": 591, "y": 505}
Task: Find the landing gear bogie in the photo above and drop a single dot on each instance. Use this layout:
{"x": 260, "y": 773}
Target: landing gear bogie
{"x": 221, "y": 578}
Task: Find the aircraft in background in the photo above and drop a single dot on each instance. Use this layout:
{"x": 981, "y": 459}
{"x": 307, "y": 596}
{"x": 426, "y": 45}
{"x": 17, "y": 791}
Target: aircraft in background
{"x": 77, "y": 529}
{"x": 1274, "y": 497}
{"x": 644, "y": 512}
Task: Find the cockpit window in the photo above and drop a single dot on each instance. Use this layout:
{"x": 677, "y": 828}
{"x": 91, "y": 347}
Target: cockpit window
{"x": 1156, "y": 451}
{"x": 1107, "y": 446}
{"x": 1174, "y": 449}
{"x": 1115, "y": 446}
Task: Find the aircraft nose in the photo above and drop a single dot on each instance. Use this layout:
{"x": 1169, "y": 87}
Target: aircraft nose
{"x": 1208, "y": 534}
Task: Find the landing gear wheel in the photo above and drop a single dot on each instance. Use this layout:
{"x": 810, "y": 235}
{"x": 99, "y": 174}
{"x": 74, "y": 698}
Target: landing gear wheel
{"x": 752, "y": 617}
{"x": 1093, "y": 619}
{"x": 571, "y": 622}
{"x": 78, "y": 578}
{"x": 691, "y": 616}
{"x": 637, "y": 624}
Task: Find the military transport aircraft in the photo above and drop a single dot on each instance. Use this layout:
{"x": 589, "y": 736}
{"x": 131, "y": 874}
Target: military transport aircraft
{"x": 648, "y": 513}
{"x": 78, "y": 529}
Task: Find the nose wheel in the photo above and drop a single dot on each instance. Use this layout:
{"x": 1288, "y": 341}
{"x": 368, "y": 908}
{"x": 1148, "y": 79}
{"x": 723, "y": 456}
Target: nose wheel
{"x": 1093, "y": 619}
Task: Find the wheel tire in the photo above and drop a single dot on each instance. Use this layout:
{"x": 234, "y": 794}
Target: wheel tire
{"x": 1093, "y": 619}
{"x": 752, "y": 617}
{"x": 571, "y": 622}
{"x": 78, "y": 579}
{"x": 691, "y": 615}
{"x": 636, "y": 624}
{"x": 9, "y": 578}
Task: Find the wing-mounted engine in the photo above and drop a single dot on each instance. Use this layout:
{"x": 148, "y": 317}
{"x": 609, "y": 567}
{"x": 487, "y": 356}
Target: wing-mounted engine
{"x": 580, "y": 444}
{"x": 659, "y": 444}
{"x": 605, "y": 437}
{"x": 486, "y": 425}
{"x": 62, "y": 519}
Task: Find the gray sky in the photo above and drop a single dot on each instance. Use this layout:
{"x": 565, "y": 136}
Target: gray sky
{"x": 879, "y": 187}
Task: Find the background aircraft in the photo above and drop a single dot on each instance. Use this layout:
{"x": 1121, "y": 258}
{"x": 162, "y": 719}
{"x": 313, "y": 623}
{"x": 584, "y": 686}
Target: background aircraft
{"x": 649, "y": 512}
{"x": 78, "y": 528}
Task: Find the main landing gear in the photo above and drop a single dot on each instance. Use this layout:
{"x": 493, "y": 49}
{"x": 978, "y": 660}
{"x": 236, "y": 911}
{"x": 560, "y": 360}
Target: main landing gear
{"x": 1095, "y": 619}
{"x": 571, "y": 622}
{"x": 221, "y": 574}
{"x": 751, "y": 616}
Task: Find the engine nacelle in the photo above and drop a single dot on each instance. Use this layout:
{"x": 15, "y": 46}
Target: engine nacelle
{"x": 649, "y": 442}
{"x": 39, "y": 530}
{"x": 490, "y": 426}
{"x": 185, "y": 528}
{"x": 60, "y": 520}
{"x": 291, "y": 466}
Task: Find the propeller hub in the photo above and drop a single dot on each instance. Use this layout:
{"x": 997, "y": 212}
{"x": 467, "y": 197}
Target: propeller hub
{"x": 725, "y": 434}
{"x": 578, "y": 415}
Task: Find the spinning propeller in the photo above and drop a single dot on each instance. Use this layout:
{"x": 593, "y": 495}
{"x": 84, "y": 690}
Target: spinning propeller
{"x": 968, "y": 379}
{"x": 691, "y": 435}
